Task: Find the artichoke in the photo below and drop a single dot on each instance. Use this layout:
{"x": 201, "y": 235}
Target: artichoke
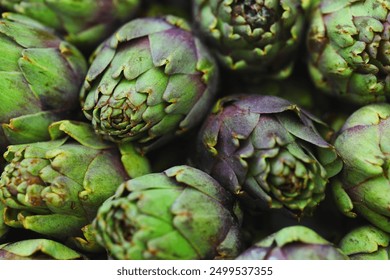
{"x": 150, "y": 81}
{"x": 40, "y": 78}
{"x": 84, "y": 23}
{"x": 363, "y": 186}
{"x": 3, "y": 226}
{"x": 253, "y": 36}
{"x": 55, "y": 187}
{"x": 181, "y": 213}
{"x": 267, "y": 151}
{"x": 366, "y": 243}
{"x": 348, "y": 44}
{"x": 37, "y": 249}
{"x": 293, "y": 243}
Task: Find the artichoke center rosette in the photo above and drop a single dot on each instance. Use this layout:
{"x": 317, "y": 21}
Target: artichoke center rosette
{"x": 253, "y": 36}
{"x": 349, "y": 43}
{"x": 55, "y": 187}
{"x": 268, "y": 152}
{"x": 150, "y": 81}
{"x": 181, "y": 213}
{"x": 363, "y": 186}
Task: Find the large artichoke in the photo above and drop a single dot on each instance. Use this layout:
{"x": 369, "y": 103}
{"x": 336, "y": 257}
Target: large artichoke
{"x": 267, "y": 151}
{"x": 348, "y": 43}
{"x": 181, "y": 213}
{"x": 84, "y": 23}
{"x": 293, "y": 243}
{"x": 40, "y": 78}
{"x": 253, "y": 36}
{"x": 148, "y": 82}
{"x": 363, "y": 186}
{"x": 55, "y": 187}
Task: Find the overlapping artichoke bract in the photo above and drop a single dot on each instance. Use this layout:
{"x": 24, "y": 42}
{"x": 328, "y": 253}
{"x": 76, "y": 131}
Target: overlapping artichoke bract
{"x": 55, "y": 187}
{"x": 84, "y": 23}
{"x": 363, "y": 186}
{"x": 181, "y": 213}
{"x": 40, "y": 79}
{"x": 268, "y": 152}
{"x": 366, "y": 243}
{"x": 149, "y": 82}
{"x": 253, "y": 36}
{"x": 293, "y": 243}
{"x": 348, "y": 43}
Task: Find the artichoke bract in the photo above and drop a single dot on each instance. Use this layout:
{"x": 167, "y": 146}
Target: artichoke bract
{"x": 40, "y": 79}
{"x": 363, "y": 186}
{"x": 3, "y": 226}
{"x": 366, "y": 243}
{"x": 293, "y": 243}
{"x": 55, "y": 187}
{"x": 267, "y": 151}
{"x": 37, "y": 249}
{"x": 149, "y": 82}
{"x": 348, "y": 44}
{"x": 84, "y": 23}
{"x": 181, "y": 213}
{"x": 253, "y": 36}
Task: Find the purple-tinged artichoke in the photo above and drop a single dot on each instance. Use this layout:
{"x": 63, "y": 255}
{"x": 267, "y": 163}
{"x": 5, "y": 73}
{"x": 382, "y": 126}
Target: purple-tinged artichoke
{"x": 181, "y": 213}
{"x": 267, "y": 151}
{"x": 150, "y": 81}
{"x": 293, "y": 243}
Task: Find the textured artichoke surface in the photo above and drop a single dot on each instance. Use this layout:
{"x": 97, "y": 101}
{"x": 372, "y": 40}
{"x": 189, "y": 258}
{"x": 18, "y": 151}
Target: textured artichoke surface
{"x": 181, "y": 213}
{"x": 253, "y": 35}
{"x": 348, "y": 45}
{"x": 363, "y": 186}
{"x": 40, "y": 78}
{"x": 293, "y": 243}
{"x": 267, "y": 151}
{"x": 148, "y": 82}
{"x": 85, "y": 23}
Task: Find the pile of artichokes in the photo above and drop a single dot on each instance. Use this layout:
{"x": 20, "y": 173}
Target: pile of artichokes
{"x": 187, "y": 130}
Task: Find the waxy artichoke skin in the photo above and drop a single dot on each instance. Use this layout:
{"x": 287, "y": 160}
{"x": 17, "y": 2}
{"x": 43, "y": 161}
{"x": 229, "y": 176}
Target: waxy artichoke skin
{"x": 40, "y": 78}
{"x": 266, "y": 151}
{"x": 363, "y": 187}
{"x": 84, "y": 23}
{"x": 55, "y": 187}
{"x": 253, "y": 37}
{"x": 181, "y": 213}
{"x": 293, "y": 243}
{"x": 152, "y": 80}
{"x": 348, "y": 45}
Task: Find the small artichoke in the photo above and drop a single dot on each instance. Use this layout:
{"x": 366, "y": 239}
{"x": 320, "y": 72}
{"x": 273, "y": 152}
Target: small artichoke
{"x": 149, "y": 82}
{"x": 181, "y": 213}
{"x": 293, "y": 243}
{"x": 363, "y": 186}
{"x": 40, "y": 78}
{"x": 55, "y": 187}
{"x": 267, "y": 151}
{"x": 253, "y": 36}
{"x": 366, "y": 243}
{"x": 84, "y": 23}
{"x": 37, "y": 249}
{"x": 348, "y": 44}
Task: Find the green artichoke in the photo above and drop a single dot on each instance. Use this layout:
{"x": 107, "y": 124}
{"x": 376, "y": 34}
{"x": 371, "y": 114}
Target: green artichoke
{"x": 267, "y": 151}
{"x": 85, "y": 23}
{"x": 363, "y": 186}
{"x": 40, "y": 78}
{"x": 55, "y": 187}
{"x": 150, "y": 81}
{"x": 3, "y": 226}
{"x": 348, "y": 44}
{"x": 181, "y": 213}
{"x": 37, "y": 249}
{"x": 366, "y": 243}
{"x": 253, "y": 36}
{"x": 293, "y": 243}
